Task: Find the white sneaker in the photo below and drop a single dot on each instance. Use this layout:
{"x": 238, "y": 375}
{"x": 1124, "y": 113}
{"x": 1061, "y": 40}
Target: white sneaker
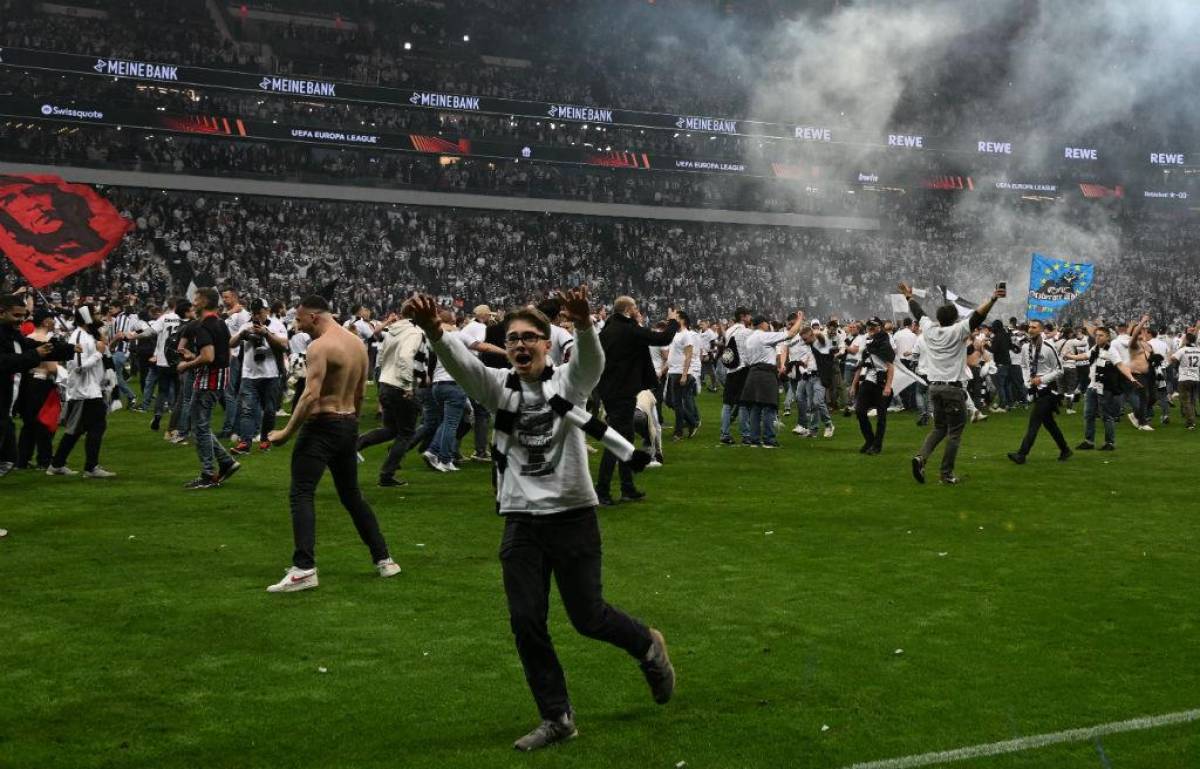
{"x": 979, "y": 416}
{"x": 282, "y": 413}
{"x": 873, "y": 413}
{"x": 1133, "y": 420}
{"x": 1146, "y": 428}
{"x": 449, "y": 467}
{"x": 653, "y": 463}
{"x": 829, "y": 431}
{"x": 60, "y": 471}
{"x": 115, "y": 406}
{"x": 359, "y": 457}
{"x": 1070, "y": 411}
{"x": 3, "y": 533}
{"x": 432, "y": 460}
{"x": 387, "y": 568}
{"x": 98, "y": 472}
{"x": 801, "y": 431}
{"x": 295, "y": 580}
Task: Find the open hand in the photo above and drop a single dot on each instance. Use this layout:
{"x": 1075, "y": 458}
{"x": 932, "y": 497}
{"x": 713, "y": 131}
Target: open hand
{"x": 424, "y": 312}
{"x": 905, "y": 289}
{"x": 576, "y": 307}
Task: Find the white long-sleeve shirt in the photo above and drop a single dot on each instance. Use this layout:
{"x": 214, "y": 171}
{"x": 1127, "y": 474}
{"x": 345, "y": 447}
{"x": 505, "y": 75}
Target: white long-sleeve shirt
{"x": 401, "y": 340}
{"x": 529, "y": 485}
{"x": 1049, "y": 367}
{"x": 85, "y": 369}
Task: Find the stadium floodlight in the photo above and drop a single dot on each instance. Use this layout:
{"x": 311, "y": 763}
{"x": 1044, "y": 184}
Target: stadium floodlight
{"x": 408, "y": 46}
{"x": 466, "y": 38}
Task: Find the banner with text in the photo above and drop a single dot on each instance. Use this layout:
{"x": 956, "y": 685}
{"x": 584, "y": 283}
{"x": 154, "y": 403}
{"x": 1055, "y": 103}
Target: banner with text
{"x": 1054, "y": 284}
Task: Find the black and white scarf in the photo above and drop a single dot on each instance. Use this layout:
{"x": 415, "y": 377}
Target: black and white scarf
{"x": 566, "y": 415}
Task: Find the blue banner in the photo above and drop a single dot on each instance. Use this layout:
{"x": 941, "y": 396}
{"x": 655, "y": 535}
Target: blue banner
{"x": 1054, "y": 284}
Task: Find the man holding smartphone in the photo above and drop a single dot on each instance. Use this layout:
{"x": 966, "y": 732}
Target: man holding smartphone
{"x": 944, "y": 359}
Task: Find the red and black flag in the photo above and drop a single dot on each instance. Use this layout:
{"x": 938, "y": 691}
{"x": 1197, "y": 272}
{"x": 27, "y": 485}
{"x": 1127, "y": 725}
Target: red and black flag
{"x": 50, "y": 229}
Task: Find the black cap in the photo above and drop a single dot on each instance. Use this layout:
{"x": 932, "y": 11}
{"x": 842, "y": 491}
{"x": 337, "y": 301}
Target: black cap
{"x": 875, "y": 321}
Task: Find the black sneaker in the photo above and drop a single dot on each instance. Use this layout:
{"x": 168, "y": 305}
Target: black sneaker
{"x": 866, "y": 449}
{"x": 1065, "y": 455}
{"x": 203, "y": 482}
{"x": 657, "y": 669}
{"x": 770, "y": 444}
{"x": 154, "y": 425}
{"x": 923, "y": 421}
{"x": 392, "y": 482}
{"x": 604, "y": 498}
{"x": 748, "y": 442}
{"x": 228, "y": 471}
{"x": 873, "y": 450}
{"x": 1108, "y": 447}
{"x": 1017, "y": 458}
{"x": 632, "y": 495}
{"x": 918, "y": 469}
{"x": 726, "y": 441}
{"x": 1085, "y": 446}
{"x": 548, "y": 733}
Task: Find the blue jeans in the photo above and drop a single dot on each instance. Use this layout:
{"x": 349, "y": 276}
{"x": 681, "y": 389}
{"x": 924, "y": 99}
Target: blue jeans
{"x": 762, "y": 423}
{"x": 165, "y": 379}
{"x": 259, "y": 401}
{"x": 211, "y": 453}
{"x": 123, "y": 388}
{"x": 686, "y": 413}
{"x": 818, "y": 411}
{"x": 450, "y": 400}
{"x": 1107, "y": 406}
{"x": 230, "y": 398}
{"x": 727, "y": 418}
{"x": 183, "y": 415}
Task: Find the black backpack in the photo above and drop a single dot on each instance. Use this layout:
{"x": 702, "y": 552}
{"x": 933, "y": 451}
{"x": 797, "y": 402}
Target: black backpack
{"x": 729, "y": 356}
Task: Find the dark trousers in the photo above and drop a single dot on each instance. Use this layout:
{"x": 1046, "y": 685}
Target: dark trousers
{"x": 619, "y": 413}
{"x": 8, "y": 434}
{"x": 482, "y": 418}
{"x": 92, "y": 424}
{"x": 870, "y": 396}
{"x": 1187, "y": 401}
{"x": 329, "y": 441}
{"x": 399, "y": 426}
{"x": 35, "y": 438}
{"x": 949, "y": 418}
{"x": 566, "y": 545}
{"x": 1045, "y": 405}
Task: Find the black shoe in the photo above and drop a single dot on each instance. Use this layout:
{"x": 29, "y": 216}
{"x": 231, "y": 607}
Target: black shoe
{"x": 632, "y": 495}
{"x": 923, "y": 421}
{"x": 392, "y": 482}
{"x": 154, "y": 425}
{"x": 203, "y": 482}
{"x": 866, "y": 449}
{"x": 657, "y": 669}
{"x": 918, "y": 469}
{"x": 1063, "y": 456}
{"x": 1085, "y": 446}
{"x": 770, "y": 444}
{"x": 950, "y": 480}
{"x": 726, "y": 441}
{"x": 873, "y": 450}
{"x": 1108, "y": 447}
{"x": 1018, "y": 458}
{"x": 228, "y": 471}
{"x": 659, "y": 459}
{"x": 604, "y": 498}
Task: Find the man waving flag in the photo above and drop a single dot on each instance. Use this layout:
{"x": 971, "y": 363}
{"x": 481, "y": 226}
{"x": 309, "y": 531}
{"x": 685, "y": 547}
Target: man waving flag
{"x": 50, "y": 229}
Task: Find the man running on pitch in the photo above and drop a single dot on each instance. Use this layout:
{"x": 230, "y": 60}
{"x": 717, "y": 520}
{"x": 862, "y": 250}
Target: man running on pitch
{"x": 545, "y": 494}
{"x": 326, "y": 417}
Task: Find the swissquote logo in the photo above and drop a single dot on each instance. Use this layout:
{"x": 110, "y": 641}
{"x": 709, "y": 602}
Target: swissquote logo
{"x": 138, "y": 69}
{"x": 51, "y": 110}
{"x": 302, "y": 87}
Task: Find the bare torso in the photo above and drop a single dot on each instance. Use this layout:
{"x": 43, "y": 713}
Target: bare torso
{"x": 1139, "y": 361}
{"x": 345, "y": 361}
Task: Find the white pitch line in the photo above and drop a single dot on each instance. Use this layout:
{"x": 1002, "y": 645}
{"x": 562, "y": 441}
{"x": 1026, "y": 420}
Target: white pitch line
{"x": 1032, "y": 742}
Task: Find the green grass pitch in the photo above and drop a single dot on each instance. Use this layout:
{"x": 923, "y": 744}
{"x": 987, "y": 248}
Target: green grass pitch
{"x": 821, "y": 608}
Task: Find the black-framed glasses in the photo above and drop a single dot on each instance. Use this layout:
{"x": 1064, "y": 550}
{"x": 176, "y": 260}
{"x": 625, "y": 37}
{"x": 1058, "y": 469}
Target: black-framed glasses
{"x": 527, "y": 337}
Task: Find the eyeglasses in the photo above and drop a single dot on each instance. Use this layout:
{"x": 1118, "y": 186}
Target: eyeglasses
{"x": 528, "y": 337}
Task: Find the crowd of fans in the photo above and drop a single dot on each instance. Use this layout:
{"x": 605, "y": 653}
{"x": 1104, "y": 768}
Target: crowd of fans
{"x": 285, "y": 248}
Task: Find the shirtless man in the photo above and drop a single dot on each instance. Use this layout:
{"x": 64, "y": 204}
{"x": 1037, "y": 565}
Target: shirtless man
{"x": 326, "y": 417}
{"x": 1139, "y": 365}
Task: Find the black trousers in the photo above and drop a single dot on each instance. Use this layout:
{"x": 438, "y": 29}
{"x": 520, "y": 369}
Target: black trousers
{"x": 399, "y": 425}
{"x": 329, "y": 441}
{"x": 92, "y": 424}
{"x": 619, "y": 413}
{"x": 35, "y": 439}
{"x": 8, "y": 434}
{"x": 567, "y": 546}
{"x": 1041, "y": 414}
{"x": 870, "y": 396}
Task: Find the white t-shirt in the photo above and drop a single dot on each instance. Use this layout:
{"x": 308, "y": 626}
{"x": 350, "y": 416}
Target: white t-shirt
{"x": 266, "y": 368}
{"x": 707, "y": 337}
{"x": 800, "y": 354}
{"x": 234, "y": 323}
{"x": 677, "y": 350}
{"x": 472, "y": 333}
{"x": 1104, "y": 357}
{"x": 904, "y": 340}
{"x": 1121, "y": 346}
{"x": 1189, "y": 363}
{"x": 298, "y": 344}
{"x": 164, "y": 325}
{"x": 561, "y": 343}
{"x": 440, "y": 374}
{"x": 859, "y": 342}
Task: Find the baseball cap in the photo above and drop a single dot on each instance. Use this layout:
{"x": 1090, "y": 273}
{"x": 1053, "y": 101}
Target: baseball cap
{"x": 875, "y": 321}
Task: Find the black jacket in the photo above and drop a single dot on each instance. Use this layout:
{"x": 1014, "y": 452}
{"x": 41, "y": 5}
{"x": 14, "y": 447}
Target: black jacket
{"x": 13, "y": 362}
{"x": 627, "y": 367}
{"x": 1002, "y": 346}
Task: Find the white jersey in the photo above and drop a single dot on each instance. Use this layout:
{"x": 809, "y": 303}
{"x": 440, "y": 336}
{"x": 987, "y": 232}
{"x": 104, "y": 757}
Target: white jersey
{"x": 1188, "y": 358}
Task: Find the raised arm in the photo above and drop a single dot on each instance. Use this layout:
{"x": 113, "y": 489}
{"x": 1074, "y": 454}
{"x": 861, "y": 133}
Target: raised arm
{"x": 466, "y": 369}
{"x": 587, "y": 361}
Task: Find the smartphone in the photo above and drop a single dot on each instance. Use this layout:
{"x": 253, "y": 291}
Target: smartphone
{"x": 1002, "y": 286}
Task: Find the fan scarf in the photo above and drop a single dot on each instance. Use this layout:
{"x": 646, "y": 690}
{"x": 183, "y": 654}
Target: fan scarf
{"x": 566, "y": 415}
